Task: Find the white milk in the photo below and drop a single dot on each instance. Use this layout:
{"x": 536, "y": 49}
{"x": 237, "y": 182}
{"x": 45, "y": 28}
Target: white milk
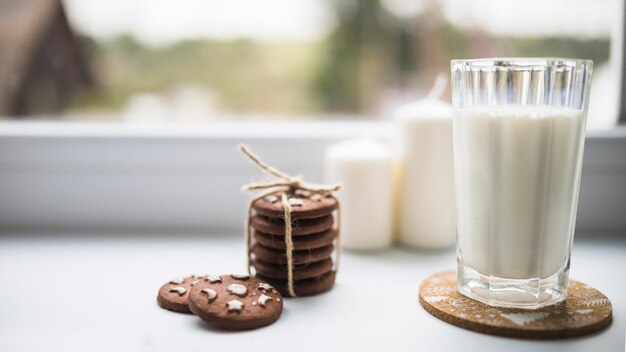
{"x": 517, "y": 179}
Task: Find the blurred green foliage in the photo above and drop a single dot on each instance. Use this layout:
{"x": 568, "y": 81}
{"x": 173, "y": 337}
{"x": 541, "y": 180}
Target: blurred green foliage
{"x": 244, "y": 76}
{"x": 368, "y": 51}
{"x": 355, "y": 52}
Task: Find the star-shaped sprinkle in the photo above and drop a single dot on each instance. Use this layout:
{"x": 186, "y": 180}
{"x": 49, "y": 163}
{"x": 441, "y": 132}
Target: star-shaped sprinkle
{"x": 296, "y": 202}
{"x": 271, "y": 199}
{"x": 234, "y": 306}
{"x": 178, "y": 289}
{"x": 211, "y": 294}
{"x": 214, "y": 278}
{"x": 263, "y": 300}
{"x": 302, "y": 192}
{"x": 316, "y": 198}
{"x": 240, "y": 276}
{"x": 264, "y": 287}
{"x": 237, "y": 289}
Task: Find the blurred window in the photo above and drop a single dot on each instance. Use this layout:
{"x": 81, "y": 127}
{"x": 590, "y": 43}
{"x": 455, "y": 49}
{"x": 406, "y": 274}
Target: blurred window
{"x": 187, "y": 60}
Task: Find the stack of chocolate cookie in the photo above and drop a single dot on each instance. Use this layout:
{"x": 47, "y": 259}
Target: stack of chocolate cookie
{"x": 313, "y": 236}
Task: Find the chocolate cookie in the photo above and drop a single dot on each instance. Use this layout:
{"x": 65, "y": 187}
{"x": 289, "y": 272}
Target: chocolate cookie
{"x": 304, "y": 204}
{"x": 173, "y": 295}
{"x": 299, "y": 257}
{"x": 299, "y": 227}
{"x": 308, "y": 287}
{"x": 312, "y": 241}
{"x": 236, "y": 302}
{"x": 306, "y": 271}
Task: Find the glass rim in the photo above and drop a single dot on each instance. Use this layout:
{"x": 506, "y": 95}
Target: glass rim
{"x": 521, "y": 62}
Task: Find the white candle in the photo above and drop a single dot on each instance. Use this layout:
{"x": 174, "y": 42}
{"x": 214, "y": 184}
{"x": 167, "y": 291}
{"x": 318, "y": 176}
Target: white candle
{"x": 426, "y": 207}
{"x": 365, "y": 167}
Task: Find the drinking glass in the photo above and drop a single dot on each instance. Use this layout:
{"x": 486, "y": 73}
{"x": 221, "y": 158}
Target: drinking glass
{"x": 518, "y": 143}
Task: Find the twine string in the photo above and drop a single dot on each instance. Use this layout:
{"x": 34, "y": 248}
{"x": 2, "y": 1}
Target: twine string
{"x": 260, "y": 163}
{"x": 288, "y": 244}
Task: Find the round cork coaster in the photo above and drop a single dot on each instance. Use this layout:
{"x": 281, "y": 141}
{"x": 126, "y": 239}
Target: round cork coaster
{"x": 585, "y": 310}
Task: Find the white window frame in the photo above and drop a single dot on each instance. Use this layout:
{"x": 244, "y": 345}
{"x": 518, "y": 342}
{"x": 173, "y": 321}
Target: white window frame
{"x": 81, "y": 176}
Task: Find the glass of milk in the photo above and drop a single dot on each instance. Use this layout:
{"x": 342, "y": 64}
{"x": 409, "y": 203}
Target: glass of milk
{"x": 518, "y": 142}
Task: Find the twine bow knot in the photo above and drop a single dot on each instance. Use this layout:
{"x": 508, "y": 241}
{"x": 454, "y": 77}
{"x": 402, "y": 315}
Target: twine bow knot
{"x": 285, "y": 184}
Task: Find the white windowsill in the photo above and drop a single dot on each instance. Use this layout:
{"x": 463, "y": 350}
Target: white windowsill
{"x": 188, "y": 177}
{"x": 373, "y": 306}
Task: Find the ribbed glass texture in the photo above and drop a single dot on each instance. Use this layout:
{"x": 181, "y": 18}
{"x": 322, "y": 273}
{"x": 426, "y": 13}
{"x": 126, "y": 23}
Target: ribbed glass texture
{"x": 518, "y": 141}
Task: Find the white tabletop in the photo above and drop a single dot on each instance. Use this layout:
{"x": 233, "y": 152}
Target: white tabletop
{"x": 98, "y": 293}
